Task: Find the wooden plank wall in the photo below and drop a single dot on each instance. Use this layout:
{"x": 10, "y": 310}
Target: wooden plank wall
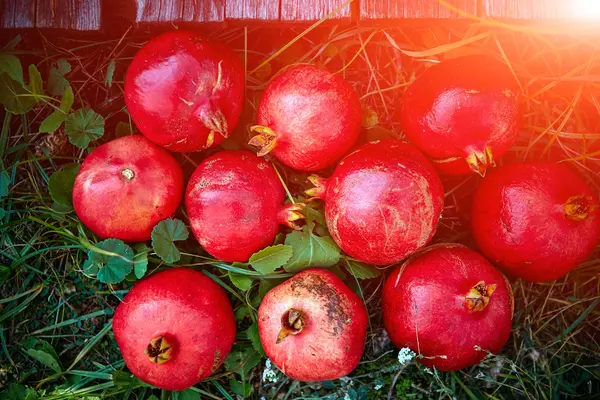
{"x": 87, "y": 14}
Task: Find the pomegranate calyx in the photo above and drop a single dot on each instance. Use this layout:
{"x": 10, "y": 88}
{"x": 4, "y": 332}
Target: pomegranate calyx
{"x": 289, "y": 214}
{"x": 266, "y": 140}
{"x": 479, "y": 161}
{"x": 213, "y": 119}
{"x": 579, "y": 208}
{"x": 318, "y": 192}
{"x": 127, "y": 174}
{"x": 159, "y": 350}
{"x": 292, "y": 323}
{"x": 478, "y": 296}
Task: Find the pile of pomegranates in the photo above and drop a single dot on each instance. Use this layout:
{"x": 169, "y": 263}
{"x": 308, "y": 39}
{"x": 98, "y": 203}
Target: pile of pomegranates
{"x": 382, "y": 205}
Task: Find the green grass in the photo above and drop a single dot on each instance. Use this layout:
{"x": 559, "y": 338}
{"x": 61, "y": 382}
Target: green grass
{"x": 553, "y": 352}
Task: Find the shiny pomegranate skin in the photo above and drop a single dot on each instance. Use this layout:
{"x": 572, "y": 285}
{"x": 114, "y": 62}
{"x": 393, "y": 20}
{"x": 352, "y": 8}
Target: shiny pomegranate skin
{"x": 174, "y": 328}
{"x": 329, "y": 325}
{"x": 180, "y": 87}
{"x": 125, "y": 187}
{"x": 538, "y": 221}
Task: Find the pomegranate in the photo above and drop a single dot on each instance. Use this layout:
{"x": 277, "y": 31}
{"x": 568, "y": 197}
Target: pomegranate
{"x": 313, "y": 327}
{"x": 382, "y": 203}
{"x": 307, "y": 117}
{"x": 463, "y": 113}
{"x": 234, "y": 202}
{"x": 125, "y": 187}
{"x": 185, "y": 92}
{"x": 538, "y": 221}
{"x": 174, "y": 328}
{"x": 449, "y": 305}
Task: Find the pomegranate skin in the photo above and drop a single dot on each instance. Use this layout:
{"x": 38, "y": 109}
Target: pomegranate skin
{"x": 331, "y": 340}
{"x": 180, "y": 87}
{"x": 463, "y": 113}
{"x": 519, "y": 220}
{"x": 234, "y": 201}
{"x": 424, "y": 307}
{"x": 383, "y": 202}
{"x": 125, "y": 187}
{"x": 187, "y": 309}
{"x": 312, "y": 116}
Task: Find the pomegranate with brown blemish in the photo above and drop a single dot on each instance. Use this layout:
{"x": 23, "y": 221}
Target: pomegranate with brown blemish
{"x": 234, "y": 201}
{"x": 382, "y": 203}
{"x": 463, "y": 113}
{"x": 174, "y": 328}
{"x": 307, "y": 117}
{"x": 313, "y": 327}
{"x": 449, "y": 305}
{"x": 185, "y": 92}
{"x": 538, "y": 221}
{"x": 125, "y": 187}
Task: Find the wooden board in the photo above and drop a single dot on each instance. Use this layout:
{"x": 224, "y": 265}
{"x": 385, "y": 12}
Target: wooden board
{"x": 249, "y": 10}
{"x": 400, "y": 9}
{"x": 180, "y": 10}
{"x": 312, "y": 10}
{"x": 18, "y": 13}
{"x": 80, "y": 15}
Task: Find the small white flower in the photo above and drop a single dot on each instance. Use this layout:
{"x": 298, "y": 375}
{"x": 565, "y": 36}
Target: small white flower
{"x": 269, "y": 374}
{"x": 378, "y": 385}
{"x": 347, "y": 397}
{"x": 405, "y": 355}
{"x": 428, "y": 371}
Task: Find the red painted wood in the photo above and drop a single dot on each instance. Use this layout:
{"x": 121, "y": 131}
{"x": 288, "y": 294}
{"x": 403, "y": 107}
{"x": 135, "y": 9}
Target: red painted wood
{"x": 263, "y": 10}
{"x": 18, "y": 13}
{"x": 87, "y": 16}
{"x": 399, "y": 9}
{"x": 541, "y": 9}
{"x": 312, "y": 10}
{"x": 53, "y": 14}
{"x": 204, "y": 10}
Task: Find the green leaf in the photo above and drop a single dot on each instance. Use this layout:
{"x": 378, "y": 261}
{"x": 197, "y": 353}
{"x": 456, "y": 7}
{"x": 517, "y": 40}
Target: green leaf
{"x": 17, "y": 391}
{"x": 110, "y": 73}
{"x": 109, "y": 268}
{"x": 42, "y": 351}
{"x": 13, "y": 43}
{"x": 243, "y": 389}
{"x": 84, "y": 126}
{"x": 242, "y": 282}
{"x": 11, "y": 65}
{"x": 266, "y": 285}
{"x": 35, "y": 82}
{"x": 164, "y": 234}
{"x": 123, "y": 129}
{"x": 242, "y": 359}
{"x": 140, "y": 261}
{"x": 4, "y": 182}
{"x": 254, "y": 337}
{"x": 67, "y": 100}
{"x": 270, "y": 258}
{"x": 4, "y": 274}
{"x": 310, "y": 250}
{"x": 55, "y": 120}
{"x": 61, "y": 184}
{"x": 57, "y": 83}
{"x": 189, "y": 394}
{"x": 241, "y": 313}
{"x": 153, "y": 397}
{"x": 13, "y": 95}
{"x": 362, "y": 270}
{"x": 123, "y": 379}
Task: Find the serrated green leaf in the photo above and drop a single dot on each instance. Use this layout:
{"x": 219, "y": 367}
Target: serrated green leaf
{"x": 310, "y": 250}
{"x": 61, "y": 184}
{"x": 361, "y": 270}
{"x": 36, "y": 85}
{"x": 57, "y": 83}
{"x": 13, "y": 95}
{"x": 243, "y": 389}
{"x": 42, "y": 351}
{"x": 164, "y": 234}
{"x": 109, "y": 268}
{"x": 140, "y": 261}
{"x": 4, "y": 183}
{"x": 242, "y": 282}
{"x": 11, "y": 65}
{"x": 270, "y": 258}
{"x": 242, "y": 359}
{"x": 252, "y": 333}
{"x": 241, "y": 313}
{"x": 110, "y": 72}
{"x": 84, "y": 126}
{"x": 123, "y": 129}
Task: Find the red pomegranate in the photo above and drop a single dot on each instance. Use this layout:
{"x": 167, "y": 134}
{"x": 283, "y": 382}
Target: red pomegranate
{"x": 537, "y": 221}
{"x": 382, "y": 203}
{"x": 234, "y": 202}
{"x": 449, "y": 305}
{"x": 125, "y": 187}
{"x": 174, "y": 328}
{"x": 185, "y": 92}
{"x": 313, "y": 327}
{"x": 463, "y": 113}
{"x": 307, "y": 117}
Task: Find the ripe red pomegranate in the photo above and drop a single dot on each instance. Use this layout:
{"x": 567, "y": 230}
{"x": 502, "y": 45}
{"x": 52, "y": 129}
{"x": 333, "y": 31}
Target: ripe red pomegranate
{"x": 234, "y": 202}
{"x": 307, "y": 117}
{"x": 185, "y": 92}
{"x": 125, "y": 187}
{"x": 463, "y": 113}
{"x": 448, "y": 304}
{"x": 537, "y": 221}
{"x": 174, "y": 328}
{"x": 382, "y": 203}
{"x": 313, "y": 327}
